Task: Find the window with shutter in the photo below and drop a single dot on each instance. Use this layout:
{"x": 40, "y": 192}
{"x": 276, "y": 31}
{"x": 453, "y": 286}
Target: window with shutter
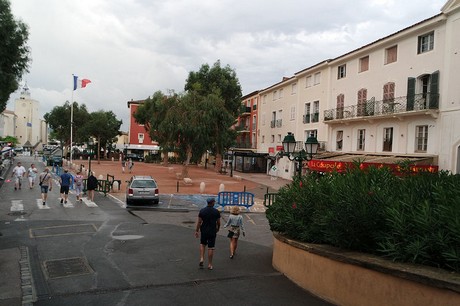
{"x": 364, "y": 64}
{"x": 362, "y": 98}
{"x": 391, "y": 55}
{"x": 340, "y": 106}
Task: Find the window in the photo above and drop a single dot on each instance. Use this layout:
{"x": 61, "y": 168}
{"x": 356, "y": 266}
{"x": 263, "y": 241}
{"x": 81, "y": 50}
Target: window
{"x": 421, "y": 138}
{"x": 306, "y": 116}
{"x": 263, "y": 138}
{"x": 292, "y": 113}
{"x": 339, "y": 140}
{"x": 294, "y": 88}
{"x": 340, "y": 106}
{"x": 263, "y": 119}
{"x": 364, "y": 63}
{"x": 387, "y": 139}
{"x": 362, "y": 99}
{"x": 317, "y": 78}
{"x": 391, "y": 55}
{"x": 140, "y": 137}
{"x": 275, "y": 95}
{"x": 279, "y": 137}
{"x": 281, "y": 93}
{"x": 254, "y": 123}
{"x": 273, "y": 138}
{"x": 308, "y": 82}
{"x": 341, "y": 71}
{"x": 426, "y": 42}
{"x": 388, "y": 97}
{"x": 361, "y": 140}
{"x": 315, "y": 116}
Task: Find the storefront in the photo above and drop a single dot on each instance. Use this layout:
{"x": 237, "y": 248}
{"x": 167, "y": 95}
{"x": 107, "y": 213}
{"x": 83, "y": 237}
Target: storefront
{"x": 250, "y": 162}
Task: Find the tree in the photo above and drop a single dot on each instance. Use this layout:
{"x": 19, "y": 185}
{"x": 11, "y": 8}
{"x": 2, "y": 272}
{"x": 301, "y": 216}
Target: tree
{"x": 14, "y": 52}
{"x": 58, "y": 120}
{"x": 103, "y": 126}
{"x": 212, "y": 84}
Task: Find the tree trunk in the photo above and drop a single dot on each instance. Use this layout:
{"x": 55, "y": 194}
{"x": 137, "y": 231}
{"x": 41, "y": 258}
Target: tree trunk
{"x": 218, "y": 162}
{"x": 187, "y": 162}
{"x": 165, "y": 158}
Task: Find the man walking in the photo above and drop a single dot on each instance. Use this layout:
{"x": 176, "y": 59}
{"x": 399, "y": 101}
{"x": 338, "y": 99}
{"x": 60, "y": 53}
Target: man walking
{"x": 208, "y": 224}
{"x": 45, "y": 184}
{"x": 66, "y": 181}
{"x": 18, "y": 174}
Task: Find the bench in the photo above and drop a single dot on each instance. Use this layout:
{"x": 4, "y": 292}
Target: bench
{"x": 233, "y": 198}
{"x": 188, "y": 181}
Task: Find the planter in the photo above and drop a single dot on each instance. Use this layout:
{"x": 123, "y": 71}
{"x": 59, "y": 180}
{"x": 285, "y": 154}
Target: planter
{"x": 351, "y": 278}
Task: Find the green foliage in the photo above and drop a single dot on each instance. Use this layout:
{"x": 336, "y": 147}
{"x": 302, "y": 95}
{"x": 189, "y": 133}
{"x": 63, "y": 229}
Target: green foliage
{"x": 413, "y": 218}
{"x": 14, "y": 52}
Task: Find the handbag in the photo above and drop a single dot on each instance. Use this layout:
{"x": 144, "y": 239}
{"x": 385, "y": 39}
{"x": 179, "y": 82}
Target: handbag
{"x": 230, "y": 234}
{"x": 41, "y": 181}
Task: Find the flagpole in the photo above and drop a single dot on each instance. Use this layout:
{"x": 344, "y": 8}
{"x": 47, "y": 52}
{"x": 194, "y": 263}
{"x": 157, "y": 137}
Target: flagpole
{"x": 71, "y": 121}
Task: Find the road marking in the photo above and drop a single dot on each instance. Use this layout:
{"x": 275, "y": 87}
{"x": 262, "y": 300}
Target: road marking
{"x": 249, "y": 219}
{"x": 89, "y": 203}
{"x": 41, "y": 206}
{"x": 16, "y": 205}
{"x": 68, "y": 204}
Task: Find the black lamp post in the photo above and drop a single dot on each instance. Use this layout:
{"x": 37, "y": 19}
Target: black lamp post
{"x": 311, "y": 148}
{"x": 206, "y": 160}
{"x": 90, "y": 144}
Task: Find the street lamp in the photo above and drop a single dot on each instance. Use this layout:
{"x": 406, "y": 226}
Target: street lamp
{"x": 311, "y": 148}
{"x": 90, "y": 144}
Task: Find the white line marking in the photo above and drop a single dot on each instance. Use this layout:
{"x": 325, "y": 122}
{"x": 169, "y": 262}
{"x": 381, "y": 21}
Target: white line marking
{"x": 41, "y": 206}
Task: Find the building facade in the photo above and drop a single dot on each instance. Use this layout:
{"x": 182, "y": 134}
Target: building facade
{"x": 139, "y": 140}
{"x": 391, "y": 100}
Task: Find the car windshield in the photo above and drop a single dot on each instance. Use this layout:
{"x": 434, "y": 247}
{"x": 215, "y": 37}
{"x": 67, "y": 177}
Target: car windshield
{"x": 143, "y": 184}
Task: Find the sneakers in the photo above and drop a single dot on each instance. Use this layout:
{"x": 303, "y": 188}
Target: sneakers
{"x": 62, "y": 201}
{"x": 44, "y": 204}
{"x": 65, "y": 202}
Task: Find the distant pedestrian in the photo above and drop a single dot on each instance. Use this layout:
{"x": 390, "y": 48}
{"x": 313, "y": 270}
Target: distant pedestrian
{"x": 31, "y": 175}
{"x": 130, "y": 165}
{"x": 35, "y": 155}
{"x": 91, "y": 185}
{"x": 66, "y": 181}
{"x": 208, "y": 224}
{"x": 45, "y": 184}
{"x": 78, "y": 180}
{"x": 18, "y": 173}
{"x": 235, "y": 221}
{"x": 123, "y": 165}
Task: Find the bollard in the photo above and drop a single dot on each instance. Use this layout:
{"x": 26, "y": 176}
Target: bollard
{"x": 202, "y": 187}
{"x": 177, "y": 187}
{"x": 221, "y": 187}
{"x": 113, "y": 158}
{"x": 100, "y": 177}
{"x": 115, "y": 185}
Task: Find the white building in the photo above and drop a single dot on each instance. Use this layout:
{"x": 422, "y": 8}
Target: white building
{"x": 396, "y": 98}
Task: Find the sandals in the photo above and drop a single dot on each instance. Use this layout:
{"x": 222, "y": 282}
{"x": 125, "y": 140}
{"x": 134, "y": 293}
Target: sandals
{"x": 201, "y": 265}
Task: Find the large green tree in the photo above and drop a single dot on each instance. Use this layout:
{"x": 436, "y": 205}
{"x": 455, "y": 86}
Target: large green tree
{"x": 14, "y": 52}
{"x": 58, "y": 120}
{"x": 214, "y": 84}
{"x": 104, "y": 127}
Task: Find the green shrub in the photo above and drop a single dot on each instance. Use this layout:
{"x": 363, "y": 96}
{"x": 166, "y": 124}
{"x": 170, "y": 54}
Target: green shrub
{"x": 413, "y": 218}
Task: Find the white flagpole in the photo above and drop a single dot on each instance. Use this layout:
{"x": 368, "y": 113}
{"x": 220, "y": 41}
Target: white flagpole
{"x": 71, "y": 120}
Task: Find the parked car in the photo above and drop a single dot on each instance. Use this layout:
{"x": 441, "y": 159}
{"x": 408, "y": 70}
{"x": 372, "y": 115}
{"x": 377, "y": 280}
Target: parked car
{"x": 140, "y": 190}
{"x": 135, "y": 156}
{"x": 54, "y": 160}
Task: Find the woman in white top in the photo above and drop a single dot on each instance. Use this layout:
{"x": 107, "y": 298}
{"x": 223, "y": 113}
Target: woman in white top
{"x": 235, "y": 221}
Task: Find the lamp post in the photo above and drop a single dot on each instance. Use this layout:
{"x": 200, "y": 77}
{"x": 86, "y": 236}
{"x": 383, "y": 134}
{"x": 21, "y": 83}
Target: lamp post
{"x": 90, "y": 144}
{"x": 311, "y": 148}
{"x": 206, "y": 160}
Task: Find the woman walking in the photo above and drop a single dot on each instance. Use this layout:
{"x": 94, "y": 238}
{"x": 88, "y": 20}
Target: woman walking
{"x": 235, "y": 221}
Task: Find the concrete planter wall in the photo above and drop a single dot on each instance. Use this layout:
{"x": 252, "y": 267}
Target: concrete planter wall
{"x": 349, "y": 278}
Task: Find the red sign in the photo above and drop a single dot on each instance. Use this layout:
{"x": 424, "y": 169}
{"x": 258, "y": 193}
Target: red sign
{"x": 271, "y": 150}
{"x": 340, "y": 166}
{"x": 279, "y": 148}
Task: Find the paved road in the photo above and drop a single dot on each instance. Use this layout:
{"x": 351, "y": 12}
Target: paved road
{"x": 102, "y": 254}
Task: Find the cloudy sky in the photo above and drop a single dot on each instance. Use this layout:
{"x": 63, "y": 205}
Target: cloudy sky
{"x": 131, "y": 48}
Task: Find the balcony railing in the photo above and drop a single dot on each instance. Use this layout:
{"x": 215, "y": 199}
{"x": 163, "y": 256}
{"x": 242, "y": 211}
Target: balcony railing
{"x": 385, "y": 107}
{"x": 306, "y": 118}
{"x": 315, "y": 117}
{"x": 245, "y": 110}
{"x": 279, "y": 123}
{"x": 272, "y": 123}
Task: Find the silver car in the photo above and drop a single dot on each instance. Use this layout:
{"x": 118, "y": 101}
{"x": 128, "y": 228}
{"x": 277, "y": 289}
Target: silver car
{"x": 142, "y": 189}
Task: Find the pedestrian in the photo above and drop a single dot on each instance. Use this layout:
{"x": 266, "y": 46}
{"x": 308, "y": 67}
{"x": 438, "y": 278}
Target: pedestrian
{"x": 45, "y": 184}
{"x": 32, "y": 174}
{"x": 123, "y": 165}
{"x": 91, "y": 185}
{"x": 130, "y": 165}
{"x": 78, "y": 179}
{"x": 235, "y": 221}
{"x": 35, "y": 155}
{"x": 65, "y": 180}
{"x": 18, "y": 173}
{"x": 208, "y": 224}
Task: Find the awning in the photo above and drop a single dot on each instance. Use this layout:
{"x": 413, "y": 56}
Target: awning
{"x": 143, "y": 147}
{"x": 340, "y": 162}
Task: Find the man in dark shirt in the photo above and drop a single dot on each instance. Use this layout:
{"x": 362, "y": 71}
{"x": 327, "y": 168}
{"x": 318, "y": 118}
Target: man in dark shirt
{"x": 66, "y": 181}
{"x": 208, "y": 224}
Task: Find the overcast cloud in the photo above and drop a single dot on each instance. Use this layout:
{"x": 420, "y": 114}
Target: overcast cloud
{"x": 131, "y": 48}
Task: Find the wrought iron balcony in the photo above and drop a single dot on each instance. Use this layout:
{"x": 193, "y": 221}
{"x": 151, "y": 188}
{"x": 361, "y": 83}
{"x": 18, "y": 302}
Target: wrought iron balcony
{"x": 372, "y": 108}
{"x": 279, "y": 123}
{"x": 306, "y": 118}
{"x": 245, "y": 111}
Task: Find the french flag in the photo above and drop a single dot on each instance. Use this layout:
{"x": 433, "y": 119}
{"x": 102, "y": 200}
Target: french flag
{"x": 79, "y": 83}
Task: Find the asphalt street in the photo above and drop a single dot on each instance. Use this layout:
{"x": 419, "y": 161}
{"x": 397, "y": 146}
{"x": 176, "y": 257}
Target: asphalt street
{"x": 99, "y": 253}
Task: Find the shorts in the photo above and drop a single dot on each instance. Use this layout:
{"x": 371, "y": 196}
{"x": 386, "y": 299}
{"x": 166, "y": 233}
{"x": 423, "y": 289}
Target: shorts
{"x": 208, "y": 239}
{"x": 64, "y": 189}
{"x": 44, "y": 189}
{"x": 78, "y": 189}
{"x": 18, "y": 179}
{"x": 235, "y": 230}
